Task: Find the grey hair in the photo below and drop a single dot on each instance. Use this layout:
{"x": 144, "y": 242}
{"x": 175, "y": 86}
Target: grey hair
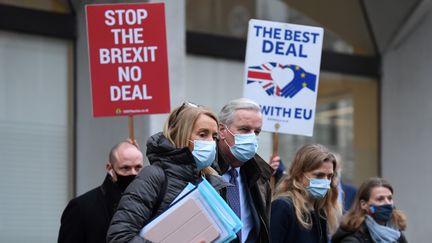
{"x": 226, "y": 115}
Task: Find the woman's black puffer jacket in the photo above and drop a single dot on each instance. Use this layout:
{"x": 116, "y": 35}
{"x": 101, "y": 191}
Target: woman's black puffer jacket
{"x": 137, "y": 205}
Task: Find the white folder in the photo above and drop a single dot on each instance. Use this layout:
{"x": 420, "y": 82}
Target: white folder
{"x": 198, "y": 214}
{"x": 187, "y": 221}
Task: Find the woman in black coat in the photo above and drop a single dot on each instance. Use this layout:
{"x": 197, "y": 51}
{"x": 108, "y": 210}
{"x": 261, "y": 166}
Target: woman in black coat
{"x": 373, "y": 217}
{"x": 179, "y": 155}
{"x": 305, "y": 208}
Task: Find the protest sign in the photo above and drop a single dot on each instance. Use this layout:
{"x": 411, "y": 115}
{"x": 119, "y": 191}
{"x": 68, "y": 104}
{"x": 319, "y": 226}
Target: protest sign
{"x": 281, "y": 74}
{"x": 128, "y": 59}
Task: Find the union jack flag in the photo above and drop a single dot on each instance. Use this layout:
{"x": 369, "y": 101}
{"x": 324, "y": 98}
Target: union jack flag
{"x": 262, "y": 75}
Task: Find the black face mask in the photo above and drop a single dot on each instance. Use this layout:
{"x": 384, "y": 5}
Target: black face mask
{"x": 381, "y": 213}
{"x": 124, "y": 181}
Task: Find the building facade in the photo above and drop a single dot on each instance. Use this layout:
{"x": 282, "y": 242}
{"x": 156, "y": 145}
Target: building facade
{"x": 374, "y": 110}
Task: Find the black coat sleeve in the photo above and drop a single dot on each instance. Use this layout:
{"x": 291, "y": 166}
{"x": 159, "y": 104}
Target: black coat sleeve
{"x": 71, "y": 225}
{"x": 136, "y": 206}
{"x": 281, "y": 221}
{"x": 402, "y": 239}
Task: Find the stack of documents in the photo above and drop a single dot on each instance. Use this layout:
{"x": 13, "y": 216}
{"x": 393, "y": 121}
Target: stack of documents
{"x": 198, "y": 214}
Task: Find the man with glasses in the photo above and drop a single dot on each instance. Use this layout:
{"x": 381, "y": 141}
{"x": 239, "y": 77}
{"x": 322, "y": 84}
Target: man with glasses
{"x": 87, "y": 217}
{"x": 250, "y": 194}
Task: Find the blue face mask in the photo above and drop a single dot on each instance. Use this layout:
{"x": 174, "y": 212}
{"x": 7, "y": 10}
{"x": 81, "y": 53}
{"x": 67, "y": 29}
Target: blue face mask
{"x": 381, "y": 213}
{"x": 245, "y": 146}
{"x": 204, "y": 153}
{"x": 318, "y": 187}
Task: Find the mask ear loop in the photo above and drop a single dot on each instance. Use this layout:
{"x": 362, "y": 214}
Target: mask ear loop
{"x": 110, "y": 172}
{"x": 193, "y": 143}
{"x": 226, "y": 127}
{"x": 310, "y": 179}
{"x": 226, "y": 143}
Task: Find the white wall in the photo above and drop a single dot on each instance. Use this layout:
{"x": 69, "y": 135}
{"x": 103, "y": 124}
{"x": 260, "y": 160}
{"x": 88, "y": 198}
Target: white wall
{"x": 406, "y": 127}
{"x": 96, "y": 136}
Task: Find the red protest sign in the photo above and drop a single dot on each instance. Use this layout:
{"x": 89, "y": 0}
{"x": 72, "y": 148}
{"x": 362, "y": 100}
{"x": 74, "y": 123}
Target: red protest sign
{"x": 128, "y": 59}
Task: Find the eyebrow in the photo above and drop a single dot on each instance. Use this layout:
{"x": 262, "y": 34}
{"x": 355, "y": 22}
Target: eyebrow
{"x": 203, "y": 130}
{"x": 323, "y": 174}
{"x": 385, "y": 196}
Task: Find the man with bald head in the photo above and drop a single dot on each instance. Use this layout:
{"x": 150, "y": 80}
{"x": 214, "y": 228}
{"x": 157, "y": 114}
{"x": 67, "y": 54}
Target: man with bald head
{"x": 86, "y": 218}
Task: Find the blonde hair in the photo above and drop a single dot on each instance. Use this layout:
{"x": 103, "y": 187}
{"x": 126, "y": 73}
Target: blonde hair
{"x": 178, "y": 127}
{"x": 354, "y": 218}
{"x": 308, "y": 158}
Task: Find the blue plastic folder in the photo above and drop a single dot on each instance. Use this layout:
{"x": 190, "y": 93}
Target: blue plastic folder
{"x": 222, "y": 210}
{"x": 198, "y": 213}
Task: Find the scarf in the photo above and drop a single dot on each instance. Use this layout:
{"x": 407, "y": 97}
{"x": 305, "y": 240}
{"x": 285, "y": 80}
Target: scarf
{"x": 381, "y": 233}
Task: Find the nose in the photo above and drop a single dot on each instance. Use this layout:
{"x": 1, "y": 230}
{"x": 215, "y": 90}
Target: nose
{"x": 134, "y": 171}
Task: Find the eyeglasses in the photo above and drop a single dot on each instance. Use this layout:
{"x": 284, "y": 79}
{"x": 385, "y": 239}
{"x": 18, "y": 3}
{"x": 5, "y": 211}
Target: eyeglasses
{"x": 190, "y": 104}
{"x": 185, "y": 104}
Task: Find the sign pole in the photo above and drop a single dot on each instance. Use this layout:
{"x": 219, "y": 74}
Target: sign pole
{"x": 275, "y": 149}
{"x": 131, "y": 129}
{"x": 275, "y": 140}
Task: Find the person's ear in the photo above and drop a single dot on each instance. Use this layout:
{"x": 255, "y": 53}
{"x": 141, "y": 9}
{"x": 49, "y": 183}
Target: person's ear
{"x": 304, "y": 181}
{"x": 191, "y": 144}
{"x": 363, "y": 205}
{"x": 108, "y": 167}
{"x": 222, "y": 131}
{"x": 110, "y": 170}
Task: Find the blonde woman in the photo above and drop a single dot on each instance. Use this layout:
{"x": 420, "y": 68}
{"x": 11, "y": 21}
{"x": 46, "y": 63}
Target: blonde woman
{"x": 179, "y": 155}
{"x": 372, "y": 218}
{"x": 305, "y": 206}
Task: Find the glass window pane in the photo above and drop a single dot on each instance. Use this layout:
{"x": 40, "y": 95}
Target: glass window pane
{"x": 230, "y": 19}
{"x": 47, "y": 5}
{"x": 34, "y": 141}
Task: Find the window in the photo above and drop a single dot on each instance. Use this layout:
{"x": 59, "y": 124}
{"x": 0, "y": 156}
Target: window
{"x": 35, "y": 136}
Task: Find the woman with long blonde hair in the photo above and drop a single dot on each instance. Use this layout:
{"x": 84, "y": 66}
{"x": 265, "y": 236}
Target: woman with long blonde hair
{"x": 305, "y": 206}
{"x": 179, "y": 155}
{"x": 372, "y": 218}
